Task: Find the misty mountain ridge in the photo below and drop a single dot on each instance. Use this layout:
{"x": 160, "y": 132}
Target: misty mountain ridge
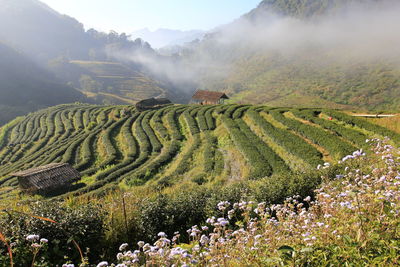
{"x": 45, "y": 34}
{"x": 305, "y": 9}
{"x": 53, "y": 41}
{"x": 166, "y": 37}
{"x": 302, "y": 53}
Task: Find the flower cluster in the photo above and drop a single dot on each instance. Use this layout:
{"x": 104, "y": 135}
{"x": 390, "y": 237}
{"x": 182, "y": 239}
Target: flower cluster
{"x": 36, "y": 241}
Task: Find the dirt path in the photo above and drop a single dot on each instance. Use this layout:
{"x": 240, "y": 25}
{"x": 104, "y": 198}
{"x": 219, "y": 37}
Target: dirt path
{"x": 232, "y": 165}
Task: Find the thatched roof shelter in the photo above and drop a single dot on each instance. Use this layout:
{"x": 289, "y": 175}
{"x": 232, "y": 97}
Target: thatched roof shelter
{"x": 209, "y": 97}
{"x": 152, "y": 103}
{"x": 45, "y": 179}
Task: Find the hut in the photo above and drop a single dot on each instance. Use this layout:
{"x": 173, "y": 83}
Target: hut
{"x": 152, "y": 103}
{"x": 208, "y": 97}
{"x": 48, "y": 178}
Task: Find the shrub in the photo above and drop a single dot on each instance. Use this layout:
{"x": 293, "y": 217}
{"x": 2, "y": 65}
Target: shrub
{"x": 354, "y": 136}
{"x": 290, "y": 142}
{"x": 336, "y": 147}
{"x": 83, "y": 224}
{"x": 259, "y": 165}
{"x": 361, "y": 123}
{"x": 155, "y": 143}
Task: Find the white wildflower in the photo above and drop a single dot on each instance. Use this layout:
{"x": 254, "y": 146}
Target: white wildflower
{"x": 102, "y": 264}
{"x": 32, "y": 238}
{"x": 162, "y": 234}
{"x": 123, "y": 247}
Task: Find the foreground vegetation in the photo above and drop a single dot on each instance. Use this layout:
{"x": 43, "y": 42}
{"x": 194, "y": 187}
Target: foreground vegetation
{"x": 352, "y": 218}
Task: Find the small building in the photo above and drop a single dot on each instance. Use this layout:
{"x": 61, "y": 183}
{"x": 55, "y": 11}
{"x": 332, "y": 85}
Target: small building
{"x": 48, "y": 178}
{"x": 152, "y": 103}
{"x": 203, "y": 97}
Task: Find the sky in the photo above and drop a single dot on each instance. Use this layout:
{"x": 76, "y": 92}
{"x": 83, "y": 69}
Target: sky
{"x": 130, "y": 15}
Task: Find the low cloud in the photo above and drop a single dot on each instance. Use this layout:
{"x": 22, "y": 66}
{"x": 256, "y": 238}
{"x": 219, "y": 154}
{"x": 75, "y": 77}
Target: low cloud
{"x": 358, "y": 32}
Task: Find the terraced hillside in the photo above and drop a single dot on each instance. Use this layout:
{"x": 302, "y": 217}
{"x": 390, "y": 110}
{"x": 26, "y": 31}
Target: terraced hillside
{"x": 118, "y": 146}
{"x": 118, "y": 80}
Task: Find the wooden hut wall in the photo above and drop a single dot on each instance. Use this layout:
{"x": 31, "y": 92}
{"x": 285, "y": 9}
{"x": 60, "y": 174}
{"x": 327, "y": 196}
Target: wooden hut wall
{"x": 50, "y": 179}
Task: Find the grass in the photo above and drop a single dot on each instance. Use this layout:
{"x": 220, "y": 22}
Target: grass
{"x": 392, "y": 123}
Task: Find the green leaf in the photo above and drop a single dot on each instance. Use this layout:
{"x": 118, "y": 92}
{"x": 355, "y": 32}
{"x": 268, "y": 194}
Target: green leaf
{"x": 286, "y": 251}
{"x": 283, "y": 248}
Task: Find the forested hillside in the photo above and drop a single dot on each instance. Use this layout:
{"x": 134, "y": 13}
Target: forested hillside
{"x": 26, "y": 87}
{"x": 116, "y": 146}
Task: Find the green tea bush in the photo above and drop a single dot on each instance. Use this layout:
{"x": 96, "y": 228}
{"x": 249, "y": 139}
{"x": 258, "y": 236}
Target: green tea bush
{"x": 159, "y": 125}
{"x": 290, "y": 142}
{"x": 239, "y": 112}
{"x": 156, "y": 165}
{"x": 201, "y": 119}
{"x": 191, "y": 122}
{"x": 361, "y": 123}
{"x": 78, "y": 119}
{"x": 36, "y": 130}
{"x": 155, "y": 143}
{"x": 86, "y": 154}
{"x": 173, "y": 124}
{"x": 354, "y": 136}
{"x": 336, "y": 147}
{"x": 129, "y": 139}
{"x": 210, "y": 119}
{"x": 277, "y": 164}
{"x": 259, "y": 165}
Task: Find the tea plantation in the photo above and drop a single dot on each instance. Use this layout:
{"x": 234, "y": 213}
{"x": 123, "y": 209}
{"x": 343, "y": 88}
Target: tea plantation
{"x": 116, "y": 146}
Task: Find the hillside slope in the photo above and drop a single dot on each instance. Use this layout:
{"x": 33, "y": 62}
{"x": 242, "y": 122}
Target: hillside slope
{"x": 117, "y": 146}
{"x": 26, "y": 87}
{"x": 111, "y": 78}
{"x": 340, "y": 54}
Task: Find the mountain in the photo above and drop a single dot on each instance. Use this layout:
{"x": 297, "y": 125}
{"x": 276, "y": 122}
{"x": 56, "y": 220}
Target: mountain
{"x": 58, "y": 42}
{"x": 341, "y": 54}
{"x": 165, "y": 37}
{"x": 39, "y": 31}
{"x": 43, "y": 33}
{"x": 26, "y": 87}
{"x": 297, "y": 8}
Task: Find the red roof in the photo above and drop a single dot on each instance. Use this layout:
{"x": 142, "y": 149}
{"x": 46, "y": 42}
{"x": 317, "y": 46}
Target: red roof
{"x": 209, "y": 96}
